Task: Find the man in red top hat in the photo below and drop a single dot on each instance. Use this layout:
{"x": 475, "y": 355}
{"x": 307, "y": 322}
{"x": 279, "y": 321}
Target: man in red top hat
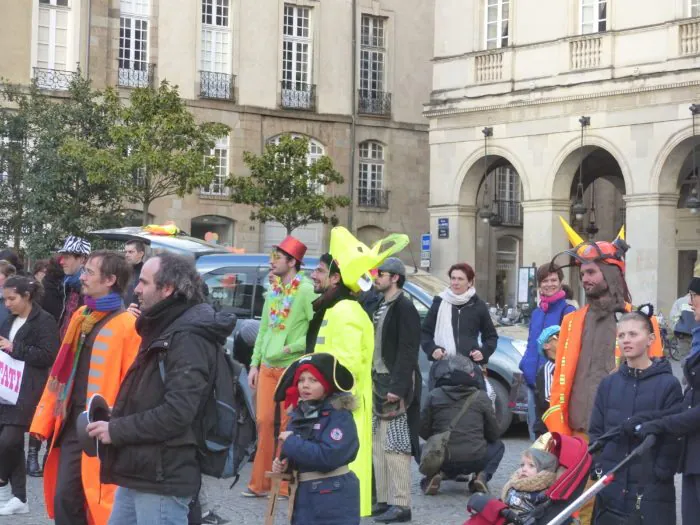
{"x": 281, "y": 341}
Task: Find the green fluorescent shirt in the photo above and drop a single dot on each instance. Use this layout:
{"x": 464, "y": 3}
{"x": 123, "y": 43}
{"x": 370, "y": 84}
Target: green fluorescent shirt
{"x": 271, "y": 341}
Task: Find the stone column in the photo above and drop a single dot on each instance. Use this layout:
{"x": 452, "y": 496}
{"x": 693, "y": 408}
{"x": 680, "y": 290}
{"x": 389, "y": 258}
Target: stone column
{"x": 652, "y": 261}
{"x": 461, "y": 243}
{"x": 543, "y": 235}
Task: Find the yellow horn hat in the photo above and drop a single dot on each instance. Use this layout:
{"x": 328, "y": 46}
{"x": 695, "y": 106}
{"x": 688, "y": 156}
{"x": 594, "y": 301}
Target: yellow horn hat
{"x": 574, "y": 238}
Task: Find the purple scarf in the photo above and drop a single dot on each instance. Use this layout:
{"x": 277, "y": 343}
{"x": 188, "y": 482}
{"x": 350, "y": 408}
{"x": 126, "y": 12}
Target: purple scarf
{"x": 547, "y": 300}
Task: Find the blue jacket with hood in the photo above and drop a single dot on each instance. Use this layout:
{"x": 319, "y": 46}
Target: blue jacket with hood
{"x": 532, "y": 360}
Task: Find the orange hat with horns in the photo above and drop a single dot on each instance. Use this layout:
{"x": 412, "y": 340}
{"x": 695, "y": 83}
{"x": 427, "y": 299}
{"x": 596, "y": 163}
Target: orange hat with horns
{"x": 600, "y": 251}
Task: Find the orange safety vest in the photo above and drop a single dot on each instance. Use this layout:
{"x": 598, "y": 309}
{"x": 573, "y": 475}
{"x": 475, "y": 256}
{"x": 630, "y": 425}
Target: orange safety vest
{"x": 568, "y": 351}
{"x": 113, "y": 351}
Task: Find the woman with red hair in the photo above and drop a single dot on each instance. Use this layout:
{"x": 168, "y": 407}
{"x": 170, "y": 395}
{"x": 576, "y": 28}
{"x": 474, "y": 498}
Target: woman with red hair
{"x": 456, "y": 319}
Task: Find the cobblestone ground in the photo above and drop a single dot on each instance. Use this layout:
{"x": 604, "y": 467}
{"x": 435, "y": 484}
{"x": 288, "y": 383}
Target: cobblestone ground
{"x": 447, "y": 508}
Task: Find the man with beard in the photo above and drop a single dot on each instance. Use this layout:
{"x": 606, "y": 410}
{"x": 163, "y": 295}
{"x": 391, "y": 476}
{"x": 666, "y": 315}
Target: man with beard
{"x": 281, "y": 340}
{"x": 154, "y": 430}
{"x": 396, "y": 379}
{"x": 587, "y": 351}
{"x": 342, "y": 328}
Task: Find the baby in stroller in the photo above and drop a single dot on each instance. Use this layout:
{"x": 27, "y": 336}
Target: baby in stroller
{"x": 528, "y": 485}
{"x": 552, "y": 475}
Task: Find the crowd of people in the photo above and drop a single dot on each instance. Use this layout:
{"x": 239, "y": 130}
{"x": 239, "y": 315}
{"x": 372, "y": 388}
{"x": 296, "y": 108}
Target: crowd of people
{"x": 340, "y": 410}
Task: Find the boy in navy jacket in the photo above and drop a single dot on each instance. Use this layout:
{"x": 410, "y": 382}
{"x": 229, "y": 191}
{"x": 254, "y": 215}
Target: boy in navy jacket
{"x": 320, "y": 441}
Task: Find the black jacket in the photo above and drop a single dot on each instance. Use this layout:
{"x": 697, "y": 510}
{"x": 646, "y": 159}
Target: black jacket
{"x": 129, "y": 295}
{"x": 624, "y": 394}
{"x": 36, "y": 343}
{"x": 53, "y": 298}
{"x": 400, "y": 347}
{"x": 687, "y": 422}
{"x": 468, "y": 321}
{"x": 400, "y": 344}
{"x": 154, "y": 444}
{"x": 474, "y": 430}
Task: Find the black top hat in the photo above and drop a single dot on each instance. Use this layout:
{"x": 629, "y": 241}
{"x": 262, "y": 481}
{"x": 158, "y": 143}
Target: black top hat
{"x": 96, "y": 410}
{"x": 336, "y": 374}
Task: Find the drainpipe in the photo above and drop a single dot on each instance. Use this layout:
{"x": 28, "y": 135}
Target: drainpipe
{"x": 353, "y": 112}
{"x": 87, "y": 47}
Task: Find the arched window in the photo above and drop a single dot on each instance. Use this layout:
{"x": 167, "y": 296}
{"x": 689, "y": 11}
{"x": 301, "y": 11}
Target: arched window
{"x": 371, "y": 192}
{"x": 316, "y": 150}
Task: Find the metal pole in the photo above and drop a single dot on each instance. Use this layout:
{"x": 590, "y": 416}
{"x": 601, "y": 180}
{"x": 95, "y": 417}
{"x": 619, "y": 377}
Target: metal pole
{"x": 353, "y": 113}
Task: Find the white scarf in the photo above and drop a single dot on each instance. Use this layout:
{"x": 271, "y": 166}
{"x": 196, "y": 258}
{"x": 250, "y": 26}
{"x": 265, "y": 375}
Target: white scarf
{"x": 444, "y": 334}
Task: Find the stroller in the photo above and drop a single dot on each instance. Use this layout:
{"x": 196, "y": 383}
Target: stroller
{"x": 566, "y": 495}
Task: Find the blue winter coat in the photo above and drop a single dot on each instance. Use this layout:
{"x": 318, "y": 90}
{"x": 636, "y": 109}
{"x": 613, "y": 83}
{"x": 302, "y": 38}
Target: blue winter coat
{"x": 324, "y": 442}
{"x": 626, "y": 393}
{"x": 532, "y": 361}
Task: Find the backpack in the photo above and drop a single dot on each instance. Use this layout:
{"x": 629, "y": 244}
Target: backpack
{"x": 226, "y": 430}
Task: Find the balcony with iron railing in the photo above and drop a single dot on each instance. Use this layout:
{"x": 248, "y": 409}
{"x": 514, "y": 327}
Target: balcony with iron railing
{"x": 511, "y": 213}
{"x": 216, "y": 85}
{"x": 371, "y": 198}
{"x": 53, "y": 79}
{"x": 372, "y": 102}
{"x": 298, "y": 95}
{"x": 133, "y": 74}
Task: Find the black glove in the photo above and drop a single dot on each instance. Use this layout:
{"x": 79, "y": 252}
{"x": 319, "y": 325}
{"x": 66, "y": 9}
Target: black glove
{"x": 652, "y": 427}
{"x": 629, "y": 427}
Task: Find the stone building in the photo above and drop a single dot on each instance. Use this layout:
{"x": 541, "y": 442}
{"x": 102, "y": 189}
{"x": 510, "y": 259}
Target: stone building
{"x": 510, "y": 152}
{"x": 351, "y": 75}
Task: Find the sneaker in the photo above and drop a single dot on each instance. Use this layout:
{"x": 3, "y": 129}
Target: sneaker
{"x": 432, "y": 486}
{"x": 5, "y": 494}
{"x": 14, "y": 506}
{"x": 479, "y": 484}
{"x": 250, "y": 494}
{"x": 212, "y": 518}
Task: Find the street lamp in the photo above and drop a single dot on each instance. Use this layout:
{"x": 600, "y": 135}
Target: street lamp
{"x": 592, "y": 228}
{"x": 693, "y": 202}
{"x": 579, "y": 208}
{"x": 487, "y": 213}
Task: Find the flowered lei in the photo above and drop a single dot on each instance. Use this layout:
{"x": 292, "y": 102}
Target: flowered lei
{"x": 281, "y": 299}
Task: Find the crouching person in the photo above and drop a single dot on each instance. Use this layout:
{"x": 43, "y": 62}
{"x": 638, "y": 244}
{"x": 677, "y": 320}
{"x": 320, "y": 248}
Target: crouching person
{"x": 320, "y": 441}
{"x": 458, "y": 405}
{"x": 153, "y": 453}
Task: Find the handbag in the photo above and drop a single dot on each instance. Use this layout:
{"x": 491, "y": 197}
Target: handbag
{"x": 435, "y": 448}
{"x": 11, "y": 372}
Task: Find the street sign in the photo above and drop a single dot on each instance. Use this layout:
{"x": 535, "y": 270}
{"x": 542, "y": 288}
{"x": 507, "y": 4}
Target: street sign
{"x": 425, "y": 243}
{"x": 443, "y": 228}
{"x": 425, "y": 263}
{"x": 425, "y": 255}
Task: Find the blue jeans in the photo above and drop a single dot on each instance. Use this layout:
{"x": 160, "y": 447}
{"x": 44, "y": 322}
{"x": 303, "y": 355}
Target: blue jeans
{"x": 531, "y": 413}
{"x": 132, "y": 507}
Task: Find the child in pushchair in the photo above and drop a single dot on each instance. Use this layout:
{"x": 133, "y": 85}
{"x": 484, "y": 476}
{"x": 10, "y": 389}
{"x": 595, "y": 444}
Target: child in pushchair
{"x": 528, "y": 485}
{"x": 567, "y": 494}
{"x": 562, "y": 470}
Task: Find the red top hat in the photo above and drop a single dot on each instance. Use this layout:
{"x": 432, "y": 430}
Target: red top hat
{"x": 293, "y": 247}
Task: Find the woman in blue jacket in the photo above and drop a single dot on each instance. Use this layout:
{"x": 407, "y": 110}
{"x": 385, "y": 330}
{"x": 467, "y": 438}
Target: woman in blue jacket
{"x": 550, "y": 312}
{"x": 640, "y": 385}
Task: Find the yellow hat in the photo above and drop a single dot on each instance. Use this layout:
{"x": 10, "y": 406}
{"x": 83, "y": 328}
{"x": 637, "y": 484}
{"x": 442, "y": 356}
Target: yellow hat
{"x": 355, "y": 259}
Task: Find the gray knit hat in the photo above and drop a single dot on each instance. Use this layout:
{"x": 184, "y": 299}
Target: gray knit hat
{"x": 543, "y": 460}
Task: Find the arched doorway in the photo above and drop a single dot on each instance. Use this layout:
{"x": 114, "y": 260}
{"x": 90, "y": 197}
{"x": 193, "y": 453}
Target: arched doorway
{"x": 499, "y": 229}
{"x": 596, "y": 197}
{"x": 679, "y": 176}
{"x": 222, "y": 227}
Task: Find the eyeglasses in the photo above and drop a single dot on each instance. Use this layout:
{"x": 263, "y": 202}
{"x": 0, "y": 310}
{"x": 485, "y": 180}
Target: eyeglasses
{"x": 275, "y": 255}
